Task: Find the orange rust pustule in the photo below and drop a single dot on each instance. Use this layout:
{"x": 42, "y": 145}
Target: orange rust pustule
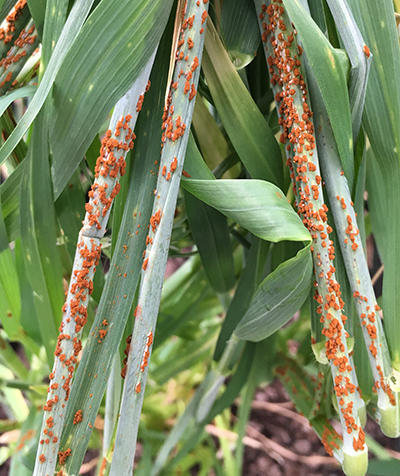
{"x": 78, "y": 417}
{"x": 63, "y": 455}
{"x": 126, "y": 352}
{"x": 146, "y": 355}
{"x": 155, "y": 220}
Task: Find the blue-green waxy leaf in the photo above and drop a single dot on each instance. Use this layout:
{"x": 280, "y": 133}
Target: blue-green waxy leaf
{"x": 381, "y": 121}
{"x": 211, "y": 233}
{"x": 327, "y": 67}
{"x": 360, "y": 62}
{"x": 156, "y": 253}
{"x": 277, "y": 299}
{"x": 258, "y": 206}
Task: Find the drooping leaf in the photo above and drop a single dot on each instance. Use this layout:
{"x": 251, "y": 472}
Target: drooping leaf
{"x": 211, "y": 234}
{"x": 239, "y": 29}
{"x": 277, "y": 299}
{"x": 74, "y": 23}
{"x": 82, "y": 99}
{"x": 245, "y": 290}
{"x": 246, "y": 127}
{"x": 258, "y": 206}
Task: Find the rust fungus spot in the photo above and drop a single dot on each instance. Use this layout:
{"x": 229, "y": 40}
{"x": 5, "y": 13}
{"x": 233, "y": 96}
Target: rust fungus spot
{"x": 78, "y": 417}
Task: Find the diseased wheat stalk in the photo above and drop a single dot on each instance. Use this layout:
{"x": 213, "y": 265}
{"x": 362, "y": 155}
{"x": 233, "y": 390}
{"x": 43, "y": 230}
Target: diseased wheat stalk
{"x": 110, "y": 167}
{"x": 295, "y": 119}
{"x": 177, "y": 119}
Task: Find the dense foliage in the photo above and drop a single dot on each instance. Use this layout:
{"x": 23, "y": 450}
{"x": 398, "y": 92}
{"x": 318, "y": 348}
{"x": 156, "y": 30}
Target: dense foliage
{"x": 278, "y": 127}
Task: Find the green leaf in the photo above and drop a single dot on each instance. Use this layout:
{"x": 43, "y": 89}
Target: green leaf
{"x": 9, "y": 284}
{"x": 26, "y": 91}
{"x": 82, "y": 99}
{"x": 194, "y": 163}
{"x": 10, "y": 200}
{"x": 6, "y": 7}
{"x": 39, "y": 237}
{"x": 245, "y": 290}
{"x": 38, "y": 10}
{"x": 185, "y": 356}
{"x": 384, "y": 468}
{"x": 211, "y": 233}
{"x": 70, "y": 208}
{"x": 245, "y": 125}
{"x": 258, "y": 206}
{"x": 279, "y": 296}
{"x": 240, "y": 31}
{"x": 213, "y": 145}
{"x": 29, "y": 319}
{"x": 55, "y": 16}
{"x": 318, "y": 13}
{"x": 360, "y": 62}
{"x": 74, "y": 23}
{"x": 326, "y": 65}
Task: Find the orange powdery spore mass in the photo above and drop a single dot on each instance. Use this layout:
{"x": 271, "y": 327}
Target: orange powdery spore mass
{"x": 50, "y": 422}
{"x": 173, "y": 165}
{"x": 155, "y": 220}
{"x": 331, "y": 440}
{"x": 138, "y": 387}
{"x": 298, "y": 136}
{"x": 186, "y": 88}
{"x": 366, "y": 51}
{"x": 146, "y": 354}
{"x": 193, "y": 92}
{"x": 126, "y": 352}
{"x": 42, "y": 458}
{"x": 78, "y": 417}
{"x": 140, "y": 103}
{"x": 103, "y": 466}
{"x": 63, "y": 455}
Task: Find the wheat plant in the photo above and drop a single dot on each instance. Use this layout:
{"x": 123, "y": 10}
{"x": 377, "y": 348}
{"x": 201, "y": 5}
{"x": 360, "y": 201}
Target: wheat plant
{"x": 254, "y": 142}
